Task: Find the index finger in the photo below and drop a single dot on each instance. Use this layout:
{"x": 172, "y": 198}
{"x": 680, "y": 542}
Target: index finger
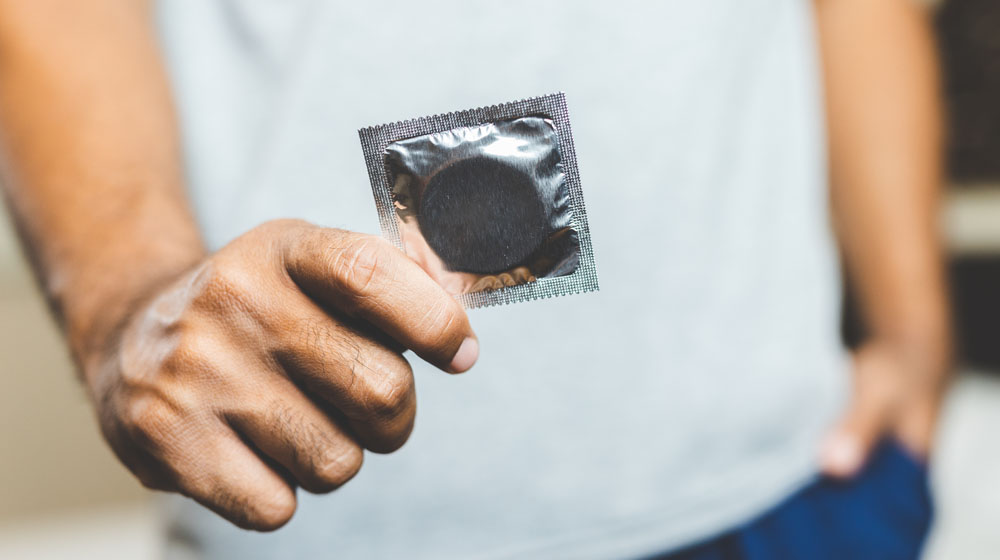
{"x": 366, "y": 277}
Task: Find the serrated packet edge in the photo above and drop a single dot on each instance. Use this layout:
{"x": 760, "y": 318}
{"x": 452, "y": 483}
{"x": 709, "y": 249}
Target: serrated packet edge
{"x": 375, "y": 140}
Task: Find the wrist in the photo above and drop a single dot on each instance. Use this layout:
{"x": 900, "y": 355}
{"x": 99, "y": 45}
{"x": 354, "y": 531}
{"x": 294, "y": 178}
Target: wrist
{"x": 97, "y": 311}
{"x": 926, "y": 355}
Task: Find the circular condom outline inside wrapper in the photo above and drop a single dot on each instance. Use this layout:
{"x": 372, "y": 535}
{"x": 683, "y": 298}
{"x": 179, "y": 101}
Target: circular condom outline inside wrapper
{"x": 491, "y": 191}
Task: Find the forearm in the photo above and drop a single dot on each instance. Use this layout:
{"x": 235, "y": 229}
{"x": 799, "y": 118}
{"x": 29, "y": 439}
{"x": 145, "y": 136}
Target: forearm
{"x": 885, "y": 154}
{"x": 90, "y": 161}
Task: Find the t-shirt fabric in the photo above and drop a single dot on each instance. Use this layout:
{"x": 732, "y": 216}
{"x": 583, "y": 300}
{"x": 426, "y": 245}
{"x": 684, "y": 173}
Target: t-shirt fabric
{"x": 685, "y": 397}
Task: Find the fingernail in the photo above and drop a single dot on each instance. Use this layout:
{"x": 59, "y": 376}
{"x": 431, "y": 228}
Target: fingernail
{"x": 842, "y": 455}
{"x": 466, "y": 356}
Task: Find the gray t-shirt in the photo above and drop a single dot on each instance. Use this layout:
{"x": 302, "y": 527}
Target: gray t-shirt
{"x": 686, "y": 396}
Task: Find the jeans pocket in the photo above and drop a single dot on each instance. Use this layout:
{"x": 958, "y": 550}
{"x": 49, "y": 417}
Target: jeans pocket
{"x": 907, "y": 457}
{"x": 905, "y": 489}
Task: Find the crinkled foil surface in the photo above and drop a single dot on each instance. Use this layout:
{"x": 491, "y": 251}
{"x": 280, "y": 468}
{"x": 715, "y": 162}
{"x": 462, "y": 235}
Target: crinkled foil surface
{"x": 488, "y": 201}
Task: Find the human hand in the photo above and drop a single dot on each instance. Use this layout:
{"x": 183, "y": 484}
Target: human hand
{"x": 271, "y": 365}
{"x": 897, "y": 391}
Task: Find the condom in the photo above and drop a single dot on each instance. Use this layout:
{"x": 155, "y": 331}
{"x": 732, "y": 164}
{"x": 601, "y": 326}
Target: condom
{"x": 482, "y": 215}
{"x": 487, "y": 201}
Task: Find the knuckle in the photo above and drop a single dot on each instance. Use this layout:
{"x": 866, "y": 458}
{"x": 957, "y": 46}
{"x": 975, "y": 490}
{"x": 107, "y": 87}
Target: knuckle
{"x": 441, "y": 324}
{"x": 259, "y": 510}
{"x": 269, "y": 513}
{"x": 391, "y": 440}
{"x": 147, "y": 419}
{"x": 189, "y": 353}
{"x": 335, "y": 467}
{"x": 321, "y": 462}
{"x": 319, "y": 340}
{"x": 357, "y": 264}
{"x": 201, "y": 487}
{"x": 388, "y": 394}
{"x": 226, "y": 284}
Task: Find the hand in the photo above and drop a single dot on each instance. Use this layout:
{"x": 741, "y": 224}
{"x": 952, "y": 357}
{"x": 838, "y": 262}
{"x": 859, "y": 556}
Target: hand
{"x": 272, "y": 364}
{"x": 896, "y": 392}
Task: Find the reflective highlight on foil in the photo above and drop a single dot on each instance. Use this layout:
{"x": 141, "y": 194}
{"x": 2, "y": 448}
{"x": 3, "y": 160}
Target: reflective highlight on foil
{"x": 475, "y": 164}
{"x": 537, "y": 238}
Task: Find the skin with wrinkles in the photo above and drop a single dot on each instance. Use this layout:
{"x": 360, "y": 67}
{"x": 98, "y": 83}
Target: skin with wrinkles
{"x": 231, "y": 377}
{"x": 236, "y": 376}
{"x": 194, "y": 362}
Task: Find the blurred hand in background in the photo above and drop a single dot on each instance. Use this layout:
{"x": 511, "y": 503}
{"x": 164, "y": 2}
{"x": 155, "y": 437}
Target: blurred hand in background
{"x": 884, "y": 121}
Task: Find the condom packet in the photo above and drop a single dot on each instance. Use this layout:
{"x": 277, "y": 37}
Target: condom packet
{"x": 488, "y": 201}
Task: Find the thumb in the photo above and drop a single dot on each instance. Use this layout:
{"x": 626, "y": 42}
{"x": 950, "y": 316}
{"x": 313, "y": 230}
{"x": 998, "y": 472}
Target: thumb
{"x": 847, "y": 446}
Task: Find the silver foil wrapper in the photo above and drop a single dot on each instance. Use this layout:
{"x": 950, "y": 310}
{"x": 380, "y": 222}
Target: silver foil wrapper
{"x": 488, "y": 201}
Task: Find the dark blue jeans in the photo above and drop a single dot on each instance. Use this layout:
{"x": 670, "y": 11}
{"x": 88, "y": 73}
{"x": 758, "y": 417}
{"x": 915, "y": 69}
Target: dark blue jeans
{"x": 882, "y": 514}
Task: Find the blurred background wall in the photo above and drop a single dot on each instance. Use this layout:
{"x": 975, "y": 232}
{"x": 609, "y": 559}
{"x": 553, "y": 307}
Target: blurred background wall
{"x": 51, "y": 455}
{"x": 63, "y": 495}
{"x": 969, "y": 35}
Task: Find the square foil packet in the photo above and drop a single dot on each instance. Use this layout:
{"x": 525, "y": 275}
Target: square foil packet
{"x": 488, "y": 201}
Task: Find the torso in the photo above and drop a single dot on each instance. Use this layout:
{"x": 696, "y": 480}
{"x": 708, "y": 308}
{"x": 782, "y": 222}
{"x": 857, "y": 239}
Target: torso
{"x": 686, "y": 395}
